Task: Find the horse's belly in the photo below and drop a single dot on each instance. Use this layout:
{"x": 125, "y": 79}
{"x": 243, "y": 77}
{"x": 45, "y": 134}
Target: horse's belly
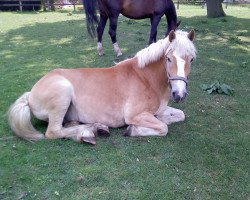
{"x": 91, "y": 114}
{"x": 108, "y": 119}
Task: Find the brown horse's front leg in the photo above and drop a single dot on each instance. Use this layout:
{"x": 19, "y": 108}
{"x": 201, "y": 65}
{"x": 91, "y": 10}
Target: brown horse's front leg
{"x": 153, "y": 32}
{"x": 145, "y": 124}
{"x": 100, "y": 29}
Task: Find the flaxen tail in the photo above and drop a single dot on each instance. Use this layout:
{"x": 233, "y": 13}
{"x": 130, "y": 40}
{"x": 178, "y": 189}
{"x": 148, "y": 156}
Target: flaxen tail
{"x": 19, "y": 116}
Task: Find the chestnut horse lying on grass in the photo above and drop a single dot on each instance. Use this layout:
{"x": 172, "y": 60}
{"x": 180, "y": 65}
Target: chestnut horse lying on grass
{"x": 135, "y": 92}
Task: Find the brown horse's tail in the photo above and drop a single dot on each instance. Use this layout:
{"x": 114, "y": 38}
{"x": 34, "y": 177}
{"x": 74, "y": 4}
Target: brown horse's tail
{"x": 90, "y": 7}
{"x": 19, "y": 116}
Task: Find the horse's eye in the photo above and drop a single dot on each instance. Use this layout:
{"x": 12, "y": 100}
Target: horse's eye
{"x": 192, "y": 60}
{"x": 169, "y": 60}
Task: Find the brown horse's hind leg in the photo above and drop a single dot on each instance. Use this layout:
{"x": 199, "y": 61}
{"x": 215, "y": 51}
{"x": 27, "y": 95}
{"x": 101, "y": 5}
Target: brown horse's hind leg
{"x": 145, "y": 124}
{"x": 100, "y": 29}
{"x": 112, "y": 32}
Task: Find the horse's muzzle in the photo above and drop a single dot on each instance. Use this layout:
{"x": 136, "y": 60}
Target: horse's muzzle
{"x": 178, "y": 97}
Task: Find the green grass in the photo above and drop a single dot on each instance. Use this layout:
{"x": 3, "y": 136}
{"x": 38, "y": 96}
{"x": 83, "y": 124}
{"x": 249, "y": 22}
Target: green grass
{"x": 205, "y": 157}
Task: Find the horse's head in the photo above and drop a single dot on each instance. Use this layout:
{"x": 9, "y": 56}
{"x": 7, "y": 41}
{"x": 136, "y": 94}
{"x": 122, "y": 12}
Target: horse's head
{"x": 179, "y": 56}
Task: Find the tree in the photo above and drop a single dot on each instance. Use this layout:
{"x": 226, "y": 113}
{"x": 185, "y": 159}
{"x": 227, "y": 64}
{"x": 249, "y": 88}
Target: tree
{"x": 214, "y": 9}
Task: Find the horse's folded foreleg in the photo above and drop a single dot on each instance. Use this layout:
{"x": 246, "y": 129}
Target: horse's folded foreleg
{"x": 171, "y": 115}
{"x": 145, "y": 124}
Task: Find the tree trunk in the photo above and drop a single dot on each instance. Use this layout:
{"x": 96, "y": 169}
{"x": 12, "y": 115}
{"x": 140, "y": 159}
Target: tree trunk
{"x": 214, "y": 9}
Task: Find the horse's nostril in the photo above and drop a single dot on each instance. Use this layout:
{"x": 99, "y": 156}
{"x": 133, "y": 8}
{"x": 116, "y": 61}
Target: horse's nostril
{"x": 176, "y": 97}
{"x": 174, "y": 94}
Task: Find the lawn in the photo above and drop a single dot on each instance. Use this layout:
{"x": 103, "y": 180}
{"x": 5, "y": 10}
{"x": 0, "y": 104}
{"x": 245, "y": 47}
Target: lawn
{"x": 205, "y": 157}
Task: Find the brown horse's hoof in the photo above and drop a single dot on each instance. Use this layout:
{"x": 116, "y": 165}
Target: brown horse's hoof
{"x": 100, "y": 53}
{"x": 103, "y": 133}
{"x": 119, "y": 54}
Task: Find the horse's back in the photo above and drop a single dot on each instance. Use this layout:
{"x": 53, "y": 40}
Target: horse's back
{"x": 141, "y": 9}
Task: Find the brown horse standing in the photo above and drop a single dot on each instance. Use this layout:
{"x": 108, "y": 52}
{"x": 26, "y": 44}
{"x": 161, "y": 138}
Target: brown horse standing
{"x": 134, "y": 9}
{"x": 135, "y": 92}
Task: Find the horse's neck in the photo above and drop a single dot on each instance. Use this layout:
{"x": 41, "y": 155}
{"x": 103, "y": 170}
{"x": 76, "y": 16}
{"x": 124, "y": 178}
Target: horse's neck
{"x": 156, "y": 74}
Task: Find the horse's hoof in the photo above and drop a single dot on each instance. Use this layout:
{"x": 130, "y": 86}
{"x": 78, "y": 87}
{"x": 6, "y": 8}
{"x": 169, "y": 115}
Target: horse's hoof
{"x": 90, "y": 140}
{"x": 101, "y": 53}
{"x": 127, "y": 132}
{"x": 103, "y": 133}
{"x": 119, "y": 54}
{"x": 100, "y": 49}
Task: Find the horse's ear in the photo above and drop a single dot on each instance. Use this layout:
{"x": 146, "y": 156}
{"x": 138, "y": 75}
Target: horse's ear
{"x": 191, "y": 35}
{"x": 171, "y": 36}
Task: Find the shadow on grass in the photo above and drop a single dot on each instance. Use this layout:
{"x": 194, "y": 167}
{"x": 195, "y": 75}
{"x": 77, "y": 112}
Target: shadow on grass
{"x": 71, "y": 36}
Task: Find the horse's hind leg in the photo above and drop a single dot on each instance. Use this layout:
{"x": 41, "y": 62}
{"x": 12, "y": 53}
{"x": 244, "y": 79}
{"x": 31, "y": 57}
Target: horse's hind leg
{"x": 71, "y": 123}
{"x": 112, "y": 32}
{"x": 76, "y": 132}
{"x": 99, "y": 129}
{"x": 100, "y": 29}
{"x": 57, "y": 108}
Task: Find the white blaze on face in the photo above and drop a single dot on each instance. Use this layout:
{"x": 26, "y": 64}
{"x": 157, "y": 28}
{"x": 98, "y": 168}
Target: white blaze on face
{"x": 179, "y": 86}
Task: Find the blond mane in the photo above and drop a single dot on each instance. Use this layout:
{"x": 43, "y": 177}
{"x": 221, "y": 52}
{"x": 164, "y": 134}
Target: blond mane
{"x": 181, "y": 45}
